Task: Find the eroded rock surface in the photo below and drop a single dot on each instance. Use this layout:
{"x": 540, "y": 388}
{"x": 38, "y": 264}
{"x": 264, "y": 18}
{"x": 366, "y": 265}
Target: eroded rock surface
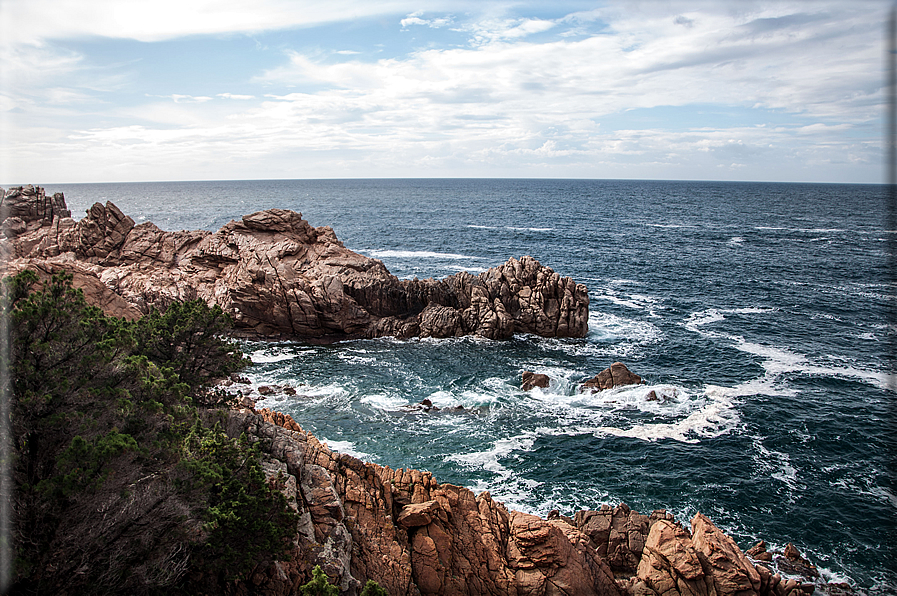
{"x": 616, "y": 375}
{"x": 278, "y": 276}
{"x": 413, "y": 535}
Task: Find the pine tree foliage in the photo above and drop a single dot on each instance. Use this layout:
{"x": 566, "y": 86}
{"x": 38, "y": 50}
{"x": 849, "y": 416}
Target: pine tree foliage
{"x": 319, "y": 585}
{"x": 119, "y": 486}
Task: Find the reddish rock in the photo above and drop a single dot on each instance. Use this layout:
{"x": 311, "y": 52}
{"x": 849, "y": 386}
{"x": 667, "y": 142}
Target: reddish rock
{"x": 531, "y": 380}
{"x": 278, "y": 276}
{"x": 758, "y": 552}
{"x": 615, "y": 376}
{"x": 619, "y": 534}
{"x": 731, "y": 570}
{"x": 671, "y": 565}
{"x": 791, "y": 561}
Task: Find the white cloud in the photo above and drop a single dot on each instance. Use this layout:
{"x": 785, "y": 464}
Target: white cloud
{"x": 155, "y": 20}
{"x": 177, "y": 98}
{"x": 235, "y": 96}
{"x": 527, "y": 96}
{"x": 435, "y": 23}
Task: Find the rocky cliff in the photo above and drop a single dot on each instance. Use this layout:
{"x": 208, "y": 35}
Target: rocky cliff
{"x": 278, "y": 276}
{"x": 413, "y": 535}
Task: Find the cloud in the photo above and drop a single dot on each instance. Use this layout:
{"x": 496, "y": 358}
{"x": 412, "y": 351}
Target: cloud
{"x": 235, "y": 96}
{"x": 157, "y": 20}
{"x": 435, "y": 23}
{"x": 524, "y": 95}
{"x": 177, "y": 98}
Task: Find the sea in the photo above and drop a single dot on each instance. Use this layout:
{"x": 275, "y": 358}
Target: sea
{"x": 758, "y": 313}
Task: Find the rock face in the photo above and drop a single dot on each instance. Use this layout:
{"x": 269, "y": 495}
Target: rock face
{"x": 278, "y": 276}
{"x": 615, "y": 376}
{"x": 619, "y": 534}
{"x": 412, "y": 535}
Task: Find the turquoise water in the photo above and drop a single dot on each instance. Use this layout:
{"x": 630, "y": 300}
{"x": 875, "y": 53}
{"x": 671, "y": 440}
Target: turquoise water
{"x": 757, "y": 312}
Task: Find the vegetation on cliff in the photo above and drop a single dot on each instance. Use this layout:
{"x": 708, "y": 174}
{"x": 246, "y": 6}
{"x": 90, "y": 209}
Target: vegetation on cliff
{"x": 123, "y": 480}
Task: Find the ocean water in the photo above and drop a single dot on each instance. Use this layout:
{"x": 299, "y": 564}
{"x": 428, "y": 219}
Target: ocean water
{"x": 758, "y": 312}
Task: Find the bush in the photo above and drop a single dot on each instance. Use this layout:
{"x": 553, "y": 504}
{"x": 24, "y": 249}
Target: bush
{"x": 319, "y": 585}
{"x": 187, "y": 338}
{"x": 372, "y": 588}
{"x": 119, "y": 487}
{"x": 246, "y": 520}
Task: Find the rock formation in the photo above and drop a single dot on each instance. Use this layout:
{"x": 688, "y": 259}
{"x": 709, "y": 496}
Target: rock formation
{"x": 277, "y": 276}
{"x": 615, "y": 376}
{"x": 413, "y": 535}
{"x": 530, "y": 380}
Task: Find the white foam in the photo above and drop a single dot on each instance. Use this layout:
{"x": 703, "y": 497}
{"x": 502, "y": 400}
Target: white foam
{"x": 777, "y": 465}
{"x": 803, "y": 230}
{"x": 268, "y": 356}
{"x": 356, "y": 358}
{"x": 489, "y": 459}
{"x": 716, "y": 417}
{"x": 668, "y": 400}
{"x": 468, "y": 269}
{"x": 384, "y": 401}
{"x": 606, "y": 326}
{"x": 416, "y": 254}
{"x": 670, "y": 226}
{"x": 634, "y": 301}
{"x": 348, "y": 448}
{"x": 735, "y": 241}
{"x": 713, "y": 315}
{"x": 529, "y": 229}
{"x": 779, "y": 361}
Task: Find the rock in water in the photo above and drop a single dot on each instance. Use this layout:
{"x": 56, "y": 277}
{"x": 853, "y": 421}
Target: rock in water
{"x": 615, "y": 376}
{"x": 531, "y": 380}
{"x": 277, "y": 276}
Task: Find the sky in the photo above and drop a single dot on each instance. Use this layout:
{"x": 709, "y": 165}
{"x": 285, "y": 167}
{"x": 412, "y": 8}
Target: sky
{"x": 128, "y": 90}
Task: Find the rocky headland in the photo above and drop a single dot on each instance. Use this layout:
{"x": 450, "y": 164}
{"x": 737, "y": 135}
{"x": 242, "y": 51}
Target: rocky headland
{"x": 278, "y": 276}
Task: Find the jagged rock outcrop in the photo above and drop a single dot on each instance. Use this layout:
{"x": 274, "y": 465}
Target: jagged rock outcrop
{"x": 278, "y": 276}
{"x": 615, "y": 376}
{"x": 412, "y": 535}
{"x": 619, "y": 534}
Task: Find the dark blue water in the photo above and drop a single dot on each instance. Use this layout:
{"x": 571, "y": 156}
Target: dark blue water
{"x": 758, "y": 313}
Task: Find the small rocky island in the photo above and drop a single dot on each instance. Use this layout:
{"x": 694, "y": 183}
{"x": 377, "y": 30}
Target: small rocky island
{"x": 279, "y": 277}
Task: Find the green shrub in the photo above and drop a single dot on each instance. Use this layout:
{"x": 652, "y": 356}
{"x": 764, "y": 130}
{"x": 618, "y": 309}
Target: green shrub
{"x": 372, "y": 588}
{"x": 109, "y": 444}
{"x": 187, "y": 338}
{"x": 246, "y": 519}
{"x": 319, "y": 585}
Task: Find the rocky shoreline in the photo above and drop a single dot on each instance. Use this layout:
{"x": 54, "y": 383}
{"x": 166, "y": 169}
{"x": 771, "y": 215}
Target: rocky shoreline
{"x": 279, "y": 277}
{"x": 413, "y": 535}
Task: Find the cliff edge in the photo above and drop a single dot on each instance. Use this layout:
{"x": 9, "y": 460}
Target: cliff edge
{"x": 277, "y": 276}
{"x": 415, "y": 536}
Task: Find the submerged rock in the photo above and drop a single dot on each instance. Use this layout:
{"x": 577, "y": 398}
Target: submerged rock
{"x": 277, "y": 276}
